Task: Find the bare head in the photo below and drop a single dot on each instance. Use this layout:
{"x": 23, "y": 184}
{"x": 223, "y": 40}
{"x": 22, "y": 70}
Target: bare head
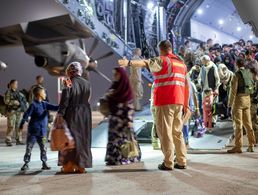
{"x": 39, "y": 80}
{"x": 39, "y": 93}
{"x": 165, "y": 47}
{"x": 137, "y": 52}
{"x": 13, "y": 84}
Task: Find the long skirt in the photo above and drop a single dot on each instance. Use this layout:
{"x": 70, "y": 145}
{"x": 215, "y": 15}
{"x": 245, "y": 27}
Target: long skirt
{"x": 119, "y": 132}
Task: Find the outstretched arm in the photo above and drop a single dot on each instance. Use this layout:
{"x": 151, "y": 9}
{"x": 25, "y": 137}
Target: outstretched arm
{"x": 52, "y": 107}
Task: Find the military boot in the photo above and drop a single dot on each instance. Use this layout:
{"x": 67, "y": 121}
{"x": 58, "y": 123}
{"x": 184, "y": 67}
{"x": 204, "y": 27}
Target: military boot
{"x": 234, "y": 150}
{"x": 250, "y": 149}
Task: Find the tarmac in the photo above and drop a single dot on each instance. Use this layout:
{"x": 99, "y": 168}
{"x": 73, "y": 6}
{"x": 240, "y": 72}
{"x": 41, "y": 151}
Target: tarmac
{"x": 208, "y": 172}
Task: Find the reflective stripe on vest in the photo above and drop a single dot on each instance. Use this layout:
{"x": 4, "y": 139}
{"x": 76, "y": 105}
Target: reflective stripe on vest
{"x": 179, "y": 83}
{"x": 170, "y": 75}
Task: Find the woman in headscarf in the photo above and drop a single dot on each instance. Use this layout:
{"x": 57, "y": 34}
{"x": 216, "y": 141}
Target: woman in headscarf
{"x": 225, "y": 79}
{"x": 120, "y": 99}
{"x": 75, "y": 109}
{"x": 229, "y": 62}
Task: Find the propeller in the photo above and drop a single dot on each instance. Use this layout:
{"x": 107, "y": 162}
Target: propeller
{"x": 93, "y": 62}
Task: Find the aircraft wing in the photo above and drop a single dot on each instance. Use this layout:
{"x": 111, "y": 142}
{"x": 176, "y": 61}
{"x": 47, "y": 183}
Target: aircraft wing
{"x": 55, "y": 29}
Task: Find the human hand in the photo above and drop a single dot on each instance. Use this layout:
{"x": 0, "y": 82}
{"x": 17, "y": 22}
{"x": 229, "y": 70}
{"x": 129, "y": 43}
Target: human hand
{"x": 123, "y": 62}
{"x": 216, "y": 92}
{"x": 59, "y": 119}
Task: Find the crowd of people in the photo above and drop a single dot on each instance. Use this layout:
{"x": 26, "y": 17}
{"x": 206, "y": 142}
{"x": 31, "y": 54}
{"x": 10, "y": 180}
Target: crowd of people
{"x": 185, "y": 85}
{"x": 212, "y": 69}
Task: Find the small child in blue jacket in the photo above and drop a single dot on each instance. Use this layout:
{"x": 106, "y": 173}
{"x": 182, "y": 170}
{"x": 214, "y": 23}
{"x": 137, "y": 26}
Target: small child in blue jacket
{"x": 37, "y": 128}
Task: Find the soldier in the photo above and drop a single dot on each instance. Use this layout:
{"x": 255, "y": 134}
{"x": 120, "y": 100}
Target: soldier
{"x": 254, "y": 105}
{"x": 39, "y": 83}
{"x": 154, "y": 137}
{"x": 136, "y": 80}
{"x": 239, "y": 100}
{"x": 252, "y": 64}
{"x": 12, "y": 100}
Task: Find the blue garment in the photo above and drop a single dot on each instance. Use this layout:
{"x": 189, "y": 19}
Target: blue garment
{"x": 38, "y": 113}
{"x": 186, "y": 133}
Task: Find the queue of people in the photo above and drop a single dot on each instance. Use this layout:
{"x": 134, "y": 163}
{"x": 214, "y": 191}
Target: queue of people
{"x": 181, "y": 88}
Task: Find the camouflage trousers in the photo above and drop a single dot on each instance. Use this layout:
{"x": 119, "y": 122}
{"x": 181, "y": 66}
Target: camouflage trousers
{"x": 31, "y": 140}
{"x": 154, "y": 137}
{"x": 254, "y": 118}
{"x": 138, "y": 94}
{"x": 13, "y": 122}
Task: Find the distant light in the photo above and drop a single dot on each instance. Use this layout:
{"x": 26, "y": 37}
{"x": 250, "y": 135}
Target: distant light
{"x": 199, "y": 11}
{"x": 150, "y": 5}
{"x": 239, "y": 28}
{"x": 251, "y": 37}
{"x": 207, "y": 6}
{"x": 98, "y": 104}
{"x": 221, "y": 21}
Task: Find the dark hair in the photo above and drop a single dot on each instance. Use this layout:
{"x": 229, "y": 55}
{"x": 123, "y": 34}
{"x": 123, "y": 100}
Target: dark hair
{"x": 38, "y": 77}
{"x": 202, "y": 45}
{"x": 187, "y": 42}
{"x": 249, "y": 41}
{"x": 224, "y": 45}
{"x": 11, "y": 82}
{"x": 37, "y": 90}
{"x": 165, "y": 45}
{"x": 209, "y": 40}
{"x": 240, "y": 62}
{"x": 248, "y": 52}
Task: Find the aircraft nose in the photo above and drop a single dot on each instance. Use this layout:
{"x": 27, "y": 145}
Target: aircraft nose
{"x": 40, "y": 61}
{"x": 3, "y": 65}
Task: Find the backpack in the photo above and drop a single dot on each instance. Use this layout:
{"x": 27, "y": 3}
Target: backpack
{"x": 246, "y": 82}
{"x": 3, "y": 107}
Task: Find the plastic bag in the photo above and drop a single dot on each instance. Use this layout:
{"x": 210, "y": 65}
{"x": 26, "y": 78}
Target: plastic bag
{"x": 60, "y": 136}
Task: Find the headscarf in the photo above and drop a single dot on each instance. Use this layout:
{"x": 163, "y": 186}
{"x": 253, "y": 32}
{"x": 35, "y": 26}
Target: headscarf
{"x": 122, "y": 88}
{"x": 225, "y": 77}
{"x": 74, "y": 69}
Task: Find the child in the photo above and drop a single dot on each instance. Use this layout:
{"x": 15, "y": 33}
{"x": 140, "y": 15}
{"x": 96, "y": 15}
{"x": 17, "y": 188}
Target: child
{"x": 207, "y": 108}
{"x": 37, "y": 128}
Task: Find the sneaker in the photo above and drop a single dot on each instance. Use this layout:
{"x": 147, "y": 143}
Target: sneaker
{"x": 45, "y": 166}
{"x": 234, "y": 150}
{"x": 25, "y": 167}
{"x": 250, "y": 149}
{"x": 19, "y": 143}
{"x": 177, "y": 166}
{"x": 162, "y": 167}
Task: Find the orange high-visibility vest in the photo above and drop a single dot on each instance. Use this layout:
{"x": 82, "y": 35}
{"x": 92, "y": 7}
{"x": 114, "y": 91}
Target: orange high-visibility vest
{"x": 170, "y": 82}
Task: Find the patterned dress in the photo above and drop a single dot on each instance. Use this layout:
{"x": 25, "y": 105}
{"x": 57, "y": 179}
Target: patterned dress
{"x": 120, "y": 130}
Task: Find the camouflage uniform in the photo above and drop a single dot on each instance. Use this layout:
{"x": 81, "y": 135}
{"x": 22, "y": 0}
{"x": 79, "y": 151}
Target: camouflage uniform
{"x": 254, "y": 108}
{"x": 136, "y": 83}
{"x": 11, "y": 99}
{"x": 154, "y": 138}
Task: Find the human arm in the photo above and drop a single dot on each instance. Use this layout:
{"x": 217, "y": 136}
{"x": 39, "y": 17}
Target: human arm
{"x": 51, "y": 107}
{"x": 8, "y": 101}
{"x": 26, "y": 116}
{"x": 217, "y": 78}
{"x": 154, "y": 64}
{"x": 233, "y": 91}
